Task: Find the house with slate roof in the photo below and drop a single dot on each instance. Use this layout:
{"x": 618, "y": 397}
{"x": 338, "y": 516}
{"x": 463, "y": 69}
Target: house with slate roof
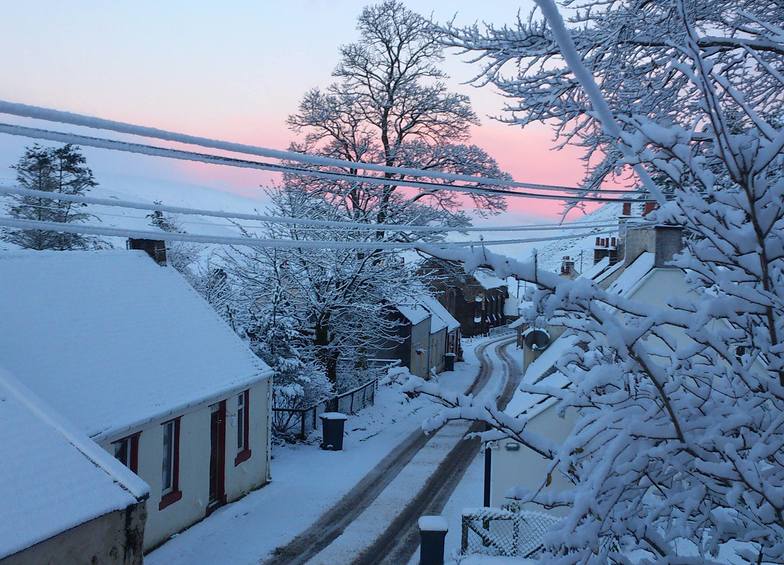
{"x": 134, "y": 359}
{"x": 643, "y": 275}
{"x": 65, "y": 500}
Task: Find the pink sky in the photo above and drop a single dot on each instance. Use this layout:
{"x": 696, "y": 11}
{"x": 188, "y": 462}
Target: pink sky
{"x": 198, "y": 68}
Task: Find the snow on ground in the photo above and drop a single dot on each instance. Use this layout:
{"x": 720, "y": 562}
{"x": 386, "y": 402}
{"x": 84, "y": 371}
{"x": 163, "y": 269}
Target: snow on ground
{"x": 306, "y": 481}
{"x": 376, "y": 518}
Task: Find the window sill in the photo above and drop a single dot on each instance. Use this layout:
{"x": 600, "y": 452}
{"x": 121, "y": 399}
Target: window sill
{"x": 169, "y": 498}
{"x": 243, "y": 455}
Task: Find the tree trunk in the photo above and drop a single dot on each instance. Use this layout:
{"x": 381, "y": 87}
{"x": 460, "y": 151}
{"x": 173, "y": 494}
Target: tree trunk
{"x": 327, "y": 355}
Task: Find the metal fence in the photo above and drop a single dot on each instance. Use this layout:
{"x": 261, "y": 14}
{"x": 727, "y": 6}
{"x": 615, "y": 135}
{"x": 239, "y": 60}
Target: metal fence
{"x": 299, "y": 422}
{"x": 493, "y": 531}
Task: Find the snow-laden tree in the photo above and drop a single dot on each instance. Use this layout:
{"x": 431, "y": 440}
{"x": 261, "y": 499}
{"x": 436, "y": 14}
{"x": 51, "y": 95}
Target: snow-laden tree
{"x": 389, "y": 105}
{"x": 677, "y": 453}
{"x": 60, "y": 170}
{"x": 203, "y": 270}
{"x": 182, "y": 256}
{"x": 277, "y": 338}
{"x": 340, "y": 298}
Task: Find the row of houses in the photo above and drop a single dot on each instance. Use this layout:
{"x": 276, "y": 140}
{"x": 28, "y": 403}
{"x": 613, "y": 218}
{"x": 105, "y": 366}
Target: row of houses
{"x": 128, "y": 409}
{"x": 477, "y": 300}
{"x": 427, "y": 334}
{"x": 461, "y": 305}
{"x": 638, "y": 268}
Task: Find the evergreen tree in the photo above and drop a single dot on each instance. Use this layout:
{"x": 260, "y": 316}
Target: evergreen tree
{"x": 62, "y": 170}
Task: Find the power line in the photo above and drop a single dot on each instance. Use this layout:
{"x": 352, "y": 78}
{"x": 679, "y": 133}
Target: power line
{"x": 111, "y": 202}
{"x": 88, "y": 229}
{"x": 156, "y": 151}
{"x": 52, "y": 115}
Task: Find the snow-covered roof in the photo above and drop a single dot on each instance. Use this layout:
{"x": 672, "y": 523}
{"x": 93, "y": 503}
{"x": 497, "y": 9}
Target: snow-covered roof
{"x": 52, "y": 477}
{"x": 414, "y": 313}
{"x": 488, "y": 280}
{"x": 633, "y": 274}
{"x": 539, "y": 372}
{"x": 114, "y": 340}
{"x": 542, "y": 370}
{"x": 441, "y": 318}
{"x": 607, "y": 273}
{"x": 596, "y": 269}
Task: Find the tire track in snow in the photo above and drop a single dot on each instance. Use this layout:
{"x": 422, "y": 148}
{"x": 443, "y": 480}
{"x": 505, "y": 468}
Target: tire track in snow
{"x": 334, "y": 521}
{"x": 398, "y": 544}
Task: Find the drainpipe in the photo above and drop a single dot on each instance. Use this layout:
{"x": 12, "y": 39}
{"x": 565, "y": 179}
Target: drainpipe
{"x": 488, "y": 469}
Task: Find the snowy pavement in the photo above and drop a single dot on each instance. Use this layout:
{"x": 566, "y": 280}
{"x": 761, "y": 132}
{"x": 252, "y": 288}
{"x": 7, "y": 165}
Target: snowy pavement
{"x": 306, "y": 481}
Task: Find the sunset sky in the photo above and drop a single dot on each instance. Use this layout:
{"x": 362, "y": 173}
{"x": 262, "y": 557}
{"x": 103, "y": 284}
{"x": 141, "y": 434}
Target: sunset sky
{"x": 228, "y": 70}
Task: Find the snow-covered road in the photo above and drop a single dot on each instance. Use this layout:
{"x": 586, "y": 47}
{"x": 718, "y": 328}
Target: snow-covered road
{"x": 330, "y": 506}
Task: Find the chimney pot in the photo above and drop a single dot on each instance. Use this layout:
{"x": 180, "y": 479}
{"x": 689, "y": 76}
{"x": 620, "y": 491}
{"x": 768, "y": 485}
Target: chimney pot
{"x": 155, "y": 248}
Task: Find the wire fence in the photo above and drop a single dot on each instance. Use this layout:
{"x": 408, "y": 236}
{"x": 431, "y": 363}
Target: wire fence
{"x": 297, "y": 423}
{"x": 507, "y": 533}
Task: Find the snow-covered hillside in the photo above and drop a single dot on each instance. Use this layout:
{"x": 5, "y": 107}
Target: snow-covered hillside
{"x": 169, "y": 193}
{"x": 550, "y": 254}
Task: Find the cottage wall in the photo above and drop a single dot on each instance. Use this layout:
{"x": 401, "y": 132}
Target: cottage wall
{"x": 437, "y": 350}
{"x": 523, "y": 467}
{"x": 243, "y": 477}
{"x": 419, "y": 347}
{"x": 114, "y": 538}
{"x": 194, "y": 463}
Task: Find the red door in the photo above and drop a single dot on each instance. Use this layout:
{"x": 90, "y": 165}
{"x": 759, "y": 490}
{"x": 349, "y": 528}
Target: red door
{"x": 217, "y": 456}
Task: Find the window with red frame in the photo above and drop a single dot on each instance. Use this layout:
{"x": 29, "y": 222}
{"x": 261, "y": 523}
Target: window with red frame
{"x": 126, "y": 451}
{"x": 243, "y": 427}
{"x": 170, "y": 465}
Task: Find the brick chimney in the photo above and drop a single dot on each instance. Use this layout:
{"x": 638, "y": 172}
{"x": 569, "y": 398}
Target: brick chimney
{"x": 605, "y": 247}
{"x": 155, "y": 248}
{"x": 567, "y": 267}
{"x": 664, "y": 241}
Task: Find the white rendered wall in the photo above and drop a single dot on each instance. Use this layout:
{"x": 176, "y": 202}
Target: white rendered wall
{"x": 437, "y": 350}
{"x": 524, "y": 467}
{"x": 252, "y": 472}
{"x": 194, "y": 465}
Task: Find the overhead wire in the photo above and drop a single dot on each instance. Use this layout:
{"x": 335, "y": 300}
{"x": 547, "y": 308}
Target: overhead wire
{"x": 89, "y": 229}
{"x": 72, "y": 118}
{"x": 179, "y": 154}
{"x": 274, "y": 219}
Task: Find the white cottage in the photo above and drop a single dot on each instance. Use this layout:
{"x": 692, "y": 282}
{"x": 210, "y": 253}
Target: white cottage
{"x": 130, "y": 354}
{"x": 414, "y": 349}
{"x": 444, "y": 333}
{"x": 643, "y": 276}
{"x": 64, "y": 499}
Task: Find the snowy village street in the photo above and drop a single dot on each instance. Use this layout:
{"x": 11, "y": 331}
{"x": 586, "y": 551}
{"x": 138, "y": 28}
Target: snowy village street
{"x": 383, "y": 282}
{"x": 364, "y": 499}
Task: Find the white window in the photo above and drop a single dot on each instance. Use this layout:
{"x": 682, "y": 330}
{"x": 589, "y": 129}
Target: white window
{"x": 242, "y": 421}
{"x": 169, "y": 440}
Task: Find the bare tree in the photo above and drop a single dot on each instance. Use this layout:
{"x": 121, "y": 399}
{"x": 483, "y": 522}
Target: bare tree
{"x": 390, "y": 106}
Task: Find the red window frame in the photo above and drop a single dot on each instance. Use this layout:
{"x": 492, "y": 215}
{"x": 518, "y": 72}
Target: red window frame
{"x": 133, "y": 448}
{"x": 244, "y": 452}
{"x": 174, "y": 494}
